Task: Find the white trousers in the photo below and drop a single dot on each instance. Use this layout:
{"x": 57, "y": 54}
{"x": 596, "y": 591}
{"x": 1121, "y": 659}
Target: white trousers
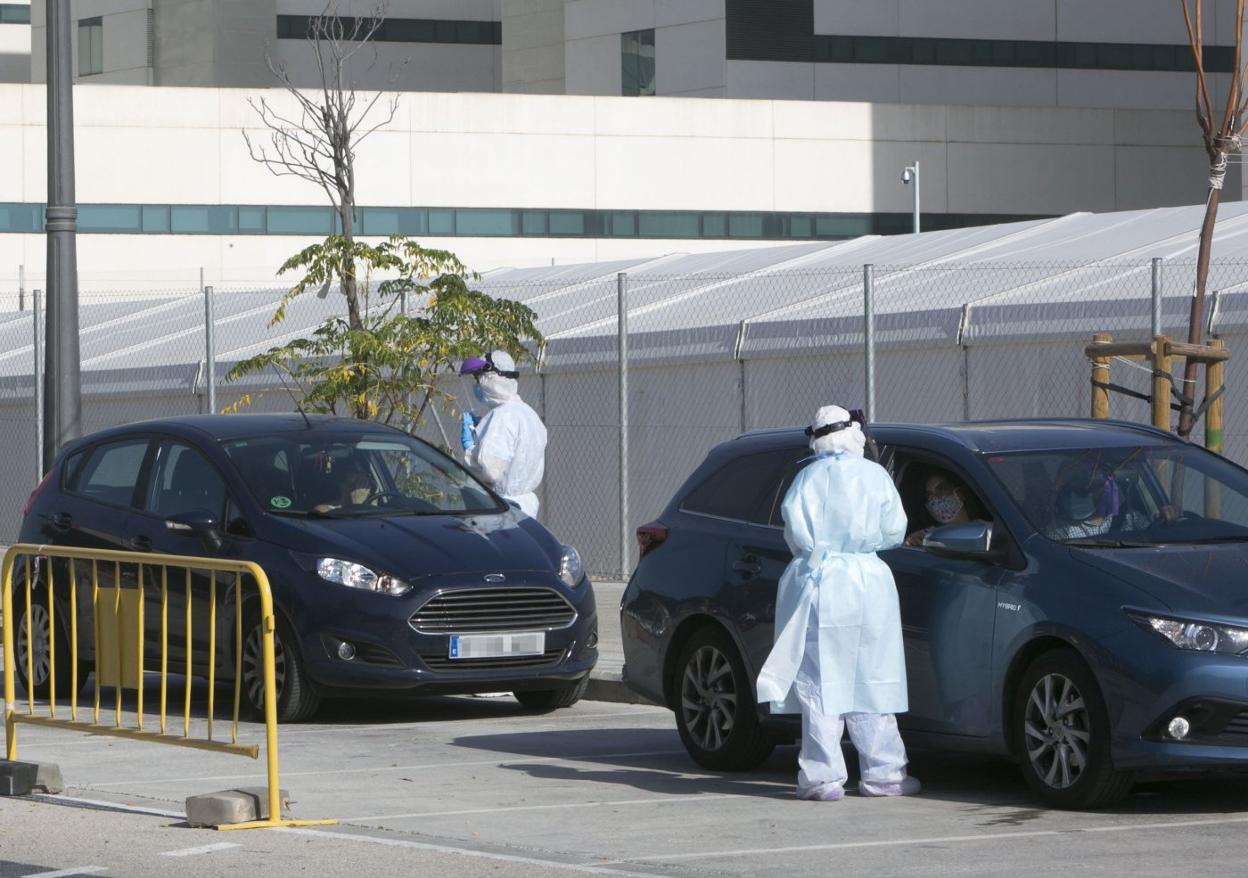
{"x": 881, "y": 754}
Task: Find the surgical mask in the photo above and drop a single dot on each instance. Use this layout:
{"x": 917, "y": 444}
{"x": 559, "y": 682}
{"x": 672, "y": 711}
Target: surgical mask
{"x": 479, "y": 395}
{"x": 944, "y": 508}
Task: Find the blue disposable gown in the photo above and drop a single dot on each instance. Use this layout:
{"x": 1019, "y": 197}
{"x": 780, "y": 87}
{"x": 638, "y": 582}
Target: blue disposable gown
{"x": 838, "y": 513}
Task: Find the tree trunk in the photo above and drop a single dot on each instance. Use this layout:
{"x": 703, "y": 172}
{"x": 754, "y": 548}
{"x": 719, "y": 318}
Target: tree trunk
{"x": 1196, "y": 323}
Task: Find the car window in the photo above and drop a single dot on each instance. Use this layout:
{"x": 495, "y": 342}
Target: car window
{"x": 111, "y": 472}
{"x": 744, "y": 489}
{"x": 236, "y": 524}
{"x": 185, "y": 482}
{"x": 1156, "y": 494}
{"x": 915, "y": 473}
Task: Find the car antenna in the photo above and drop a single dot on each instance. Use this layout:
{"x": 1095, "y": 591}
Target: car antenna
{"x": 293, "y": 398}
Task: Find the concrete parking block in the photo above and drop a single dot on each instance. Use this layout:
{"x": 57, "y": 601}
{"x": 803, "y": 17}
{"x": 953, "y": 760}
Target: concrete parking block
{"x": 223, "y": 808}
{"x": 24, "y": 778}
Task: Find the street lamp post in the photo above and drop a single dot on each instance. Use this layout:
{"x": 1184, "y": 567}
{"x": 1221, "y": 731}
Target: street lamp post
{"x": 62, "y": 393}
{"x": 908, "y": 176}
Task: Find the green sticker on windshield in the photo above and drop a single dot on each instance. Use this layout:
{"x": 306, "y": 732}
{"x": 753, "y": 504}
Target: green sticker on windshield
{"x": 280, "y": 502}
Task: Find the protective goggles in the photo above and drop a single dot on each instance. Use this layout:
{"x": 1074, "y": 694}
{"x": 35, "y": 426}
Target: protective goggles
{"x": 828, "y": 429}
{"x": 478, "y": 366}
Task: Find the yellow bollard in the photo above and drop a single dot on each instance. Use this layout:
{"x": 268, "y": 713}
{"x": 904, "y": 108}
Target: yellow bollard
{"x": 1100, "y": 376}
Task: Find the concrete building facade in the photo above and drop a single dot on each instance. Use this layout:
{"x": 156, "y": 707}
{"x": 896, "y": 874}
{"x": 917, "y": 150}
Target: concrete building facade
{"x": 1127, "y": 54}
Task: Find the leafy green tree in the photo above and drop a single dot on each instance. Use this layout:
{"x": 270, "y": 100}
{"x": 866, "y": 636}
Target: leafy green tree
{"x": 386, "y": 364}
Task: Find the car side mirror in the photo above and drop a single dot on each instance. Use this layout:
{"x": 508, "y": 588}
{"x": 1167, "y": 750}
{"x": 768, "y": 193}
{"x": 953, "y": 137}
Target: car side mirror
{"x": 197, "y": 523}
{"x": 972, "y": 539}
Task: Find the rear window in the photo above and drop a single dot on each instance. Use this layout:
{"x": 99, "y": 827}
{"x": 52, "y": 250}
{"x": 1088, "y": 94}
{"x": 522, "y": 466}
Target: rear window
{"x": 744, "y": 489}
{"x": 110, "y": 472}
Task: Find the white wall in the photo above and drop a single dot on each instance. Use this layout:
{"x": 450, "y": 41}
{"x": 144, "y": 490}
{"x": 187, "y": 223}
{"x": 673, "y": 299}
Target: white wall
{"x": 14, "y": 53}
{"x": 493, "y": 150}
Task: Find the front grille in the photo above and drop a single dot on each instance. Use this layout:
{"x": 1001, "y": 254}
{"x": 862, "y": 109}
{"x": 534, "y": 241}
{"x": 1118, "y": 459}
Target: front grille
{"x": 440, "y": 662}
{"x": 481, "y": 610}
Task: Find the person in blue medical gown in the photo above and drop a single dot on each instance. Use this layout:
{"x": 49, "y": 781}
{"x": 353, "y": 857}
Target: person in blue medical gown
{"x": 838, "y": 652}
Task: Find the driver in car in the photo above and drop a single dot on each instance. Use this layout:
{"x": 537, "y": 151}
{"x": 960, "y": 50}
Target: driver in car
{"x": 356, "y": 487}
{"x": 948, "y": 501}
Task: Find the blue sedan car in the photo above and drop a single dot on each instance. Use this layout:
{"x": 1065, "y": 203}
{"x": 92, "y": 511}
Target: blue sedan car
{"x": 1087, "y": 615}
{"x": 393, "y": 569}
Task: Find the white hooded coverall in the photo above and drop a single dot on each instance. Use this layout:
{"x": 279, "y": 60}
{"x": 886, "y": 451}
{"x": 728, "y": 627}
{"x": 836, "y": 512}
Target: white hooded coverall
{"x": 838, "y": 649}
{"x": 510, "y": 450}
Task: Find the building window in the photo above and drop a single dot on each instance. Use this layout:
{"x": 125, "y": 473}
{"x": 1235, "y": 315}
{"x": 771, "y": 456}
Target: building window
{"x": 405, "y": 30}
{"x": 90, "y": 46}
{"x": 637, "y": 63}
{"x": 14, "y": 13}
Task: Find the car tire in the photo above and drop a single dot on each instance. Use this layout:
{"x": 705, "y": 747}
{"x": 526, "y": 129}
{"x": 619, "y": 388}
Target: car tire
{"x": 41, "y": 665}
{"x": 562, "y": 696}
{"x": 713, "y": 697}
{"x": 296, "y": 699}
{"x": 1062, "y": 735}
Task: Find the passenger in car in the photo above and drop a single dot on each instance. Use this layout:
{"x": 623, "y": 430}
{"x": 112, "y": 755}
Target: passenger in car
{"x": 838, "y": 651}
{"x": 947, "y": 500}
{"x": 1089, "y": 503}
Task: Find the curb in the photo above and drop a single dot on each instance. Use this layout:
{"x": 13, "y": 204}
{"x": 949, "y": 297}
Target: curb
{"x": 608, "y": 686}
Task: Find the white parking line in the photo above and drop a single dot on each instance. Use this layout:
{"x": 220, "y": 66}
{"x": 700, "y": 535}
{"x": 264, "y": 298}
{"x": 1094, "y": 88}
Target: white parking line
{"x": 902, "y": 842}
{"x": 66, "y": 873}
{"x": 61, "y": 799}
{"x": 424, "y": 766}
{"x": 589, "y": 869}
{"x": 701, "y": 797}
{"x": 202, "y": 849}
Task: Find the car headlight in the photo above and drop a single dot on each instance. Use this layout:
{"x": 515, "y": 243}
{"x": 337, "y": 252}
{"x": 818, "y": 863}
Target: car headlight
{"x": 354, "y": 575}
{"x": 1197, "y": 636}
{"x": 570, "y": 570}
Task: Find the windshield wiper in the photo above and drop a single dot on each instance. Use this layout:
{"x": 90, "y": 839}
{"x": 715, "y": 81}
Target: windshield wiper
{"x": 1226, "y": 538}
{"x": 1106, "y": 543}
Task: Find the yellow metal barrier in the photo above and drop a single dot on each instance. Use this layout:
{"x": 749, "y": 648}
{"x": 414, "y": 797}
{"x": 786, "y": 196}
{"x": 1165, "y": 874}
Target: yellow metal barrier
{"x": 118, "y": 631}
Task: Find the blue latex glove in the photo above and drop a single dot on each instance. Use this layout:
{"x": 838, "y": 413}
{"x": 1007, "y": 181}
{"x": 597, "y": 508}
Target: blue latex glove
{"x": 467, "y": 431}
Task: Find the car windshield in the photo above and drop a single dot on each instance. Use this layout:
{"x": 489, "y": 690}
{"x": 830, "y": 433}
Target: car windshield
{"x": 355, "y": 475}
{"x": 1128, "y": 497}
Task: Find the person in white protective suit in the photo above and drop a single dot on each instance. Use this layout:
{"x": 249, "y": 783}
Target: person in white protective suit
{"x": 505, "y": 440}
{"x": 838, "y": 650}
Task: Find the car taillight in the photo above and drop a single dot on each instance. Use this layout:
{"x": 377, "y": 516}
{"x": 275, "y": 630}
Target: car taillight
{"x": 650, "y": 537}
{"x": 39, "y": 489}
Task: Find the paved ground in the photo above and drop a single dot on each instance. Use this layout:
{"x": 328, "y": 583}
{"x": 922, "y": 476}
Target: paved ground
{"x": 478, "y": 786}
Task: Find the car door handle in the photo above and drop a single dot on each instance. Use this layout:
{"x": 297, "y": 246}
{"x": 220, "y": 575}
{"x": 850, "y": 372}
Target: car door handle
{"x": 141, "y": 544}
{"x": 62, "y": 521}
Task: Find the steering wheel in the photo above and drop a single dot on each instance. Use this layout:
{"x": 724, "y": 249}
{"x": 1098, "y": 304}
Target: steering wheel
{"x": 1182, "y": 515}
{"x": 377, "y": 495}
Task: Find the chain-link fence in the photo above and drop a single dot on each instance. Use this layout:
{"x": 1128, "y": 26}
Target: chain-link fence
{"x": 709, "y": 355}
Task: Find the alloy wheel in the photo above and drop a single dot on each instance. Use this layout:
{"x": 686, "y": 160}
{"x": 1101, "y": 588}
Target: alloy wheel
{"x": 41, "y": 657}
{"x": 1057, "y": 727}
{"x": 253, "y": 667}
{"x": 708, "y": 698}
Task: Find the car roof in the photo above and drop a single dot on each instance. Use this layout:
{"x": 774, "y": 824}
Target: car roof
{"x": 996, "y": 437}
{"x": 226, "y": 427}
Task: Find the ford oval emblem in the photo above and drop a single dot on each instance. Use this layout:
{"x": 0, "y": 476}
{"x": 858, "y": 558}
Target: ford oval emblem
{"x": 495, "y": 577}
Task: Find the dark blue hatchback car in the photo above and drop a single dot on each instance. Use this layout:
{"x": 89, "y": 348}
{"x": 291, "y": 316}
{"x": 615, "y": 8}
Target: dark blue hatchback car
{"x": 1088, "y": 616}
{"x": 392, "y": 567}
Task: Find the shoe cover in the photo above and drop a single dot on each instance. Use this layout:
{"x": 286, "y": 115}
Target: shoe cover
{"x": 824, "y": 792}
{"x": 910, "y": 786}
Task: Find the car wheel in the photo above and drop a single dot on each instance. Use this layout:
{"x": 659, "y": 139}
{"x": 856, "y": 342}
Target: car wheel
{"x": 1061, "y": 731}
{"x": 716, "y": 714}
{"x": 33, "y": 638}
{"x": 565, "y": 695}
{"x": 296, "y": 701}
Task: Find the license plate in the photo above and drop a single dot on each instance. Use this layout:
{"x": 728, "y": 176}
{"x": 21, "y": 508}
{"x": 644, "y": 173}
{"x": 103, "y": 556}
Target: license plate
{"x": 477, "y": 646}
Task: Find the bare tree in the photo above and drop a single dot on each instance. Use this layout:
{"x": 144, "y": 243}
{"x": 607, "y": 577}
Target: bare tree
{"x": 319, "y": 143}
{"x": 1221, "y": 138}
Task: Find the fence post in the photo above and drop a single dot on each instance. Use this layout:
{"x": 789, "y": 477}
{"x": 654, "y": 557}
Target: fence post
{"x": 36, "y": 311}
{"x": 210, "y": 351}
{"x": 21, "y": 288}
{"x": 1157, "y": 263}
{"x": 868, "y": 332}
{"x": 1214, "y": 372}
{"x": 1161, "y": 382}
{"x": 1100, "y": 380}
{"x": 621, "y": 288}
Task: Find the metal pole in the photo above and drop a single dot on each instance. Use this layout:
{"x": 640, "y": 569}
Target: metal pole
{"x": 1157, "y": 263}
{"x": 210, "y": 350}
{"x": 868, "y": 331}
{"x": 917, "y": 195}
{"x": 62, "y": 387}
{"x": 37, "y": 321}
{"x": 21, "y": 288}
{"x": 621, "y": 282}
